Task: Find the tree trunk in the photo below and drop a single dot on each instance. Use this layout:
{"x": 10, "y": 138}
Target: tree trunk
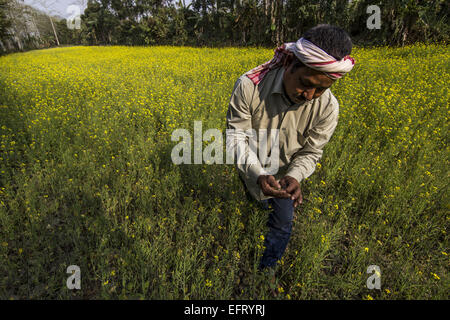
{"x": 279, "y": 29}
{"x": 54, "y": 31}
{"x": 272, "y": 20}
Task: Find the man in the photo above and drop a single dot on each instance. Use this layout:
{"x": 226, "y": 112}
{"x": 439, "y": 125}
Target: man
{"x": 290, "y": 95}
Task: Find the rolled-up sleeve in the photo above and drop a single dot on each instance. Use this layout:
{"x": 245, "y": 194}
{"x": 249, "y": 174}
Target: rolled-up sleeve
{"x": 239, "y": 131}
{"x": 304, "y": 161}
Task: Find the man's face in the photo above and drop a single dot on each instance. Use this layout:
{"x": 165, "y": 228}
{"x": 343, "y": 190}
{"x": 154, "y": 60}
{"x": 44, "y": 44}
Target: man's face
{"x": 305, "y": 84}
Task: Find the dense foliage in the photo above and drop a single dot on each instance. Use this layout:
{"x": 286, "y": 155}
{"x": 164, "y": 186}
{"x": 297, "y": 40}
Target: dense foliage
{"x": 244, "y": 22}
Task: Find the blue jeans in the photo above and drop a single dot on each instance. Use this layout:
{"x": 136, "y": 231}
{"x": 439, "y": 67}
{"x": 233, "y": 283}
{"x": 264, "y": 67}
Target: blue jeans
{"x": 280, "y": 228}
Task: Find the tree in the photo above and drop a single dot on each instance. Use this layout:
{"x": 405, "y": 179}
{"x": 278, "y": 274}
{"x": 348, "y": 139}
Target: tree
{"x": 5, "y": 22}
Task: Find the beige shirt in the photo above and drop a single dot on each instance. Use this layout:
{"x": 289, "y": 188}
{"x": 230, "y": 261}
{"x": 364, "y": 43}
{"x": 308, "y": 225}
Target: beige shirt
{"x": 304, "y": 128}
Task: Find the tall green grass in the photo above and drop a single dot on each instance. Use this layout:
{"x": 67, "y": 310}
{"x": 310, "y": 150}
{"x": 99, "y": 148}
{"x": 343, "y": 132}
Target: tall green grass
{"x": 87, "y": 179}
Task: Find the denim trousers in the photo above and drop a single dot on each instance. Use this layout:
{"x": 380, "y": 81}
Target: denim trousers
{"x": 280, "y": 229}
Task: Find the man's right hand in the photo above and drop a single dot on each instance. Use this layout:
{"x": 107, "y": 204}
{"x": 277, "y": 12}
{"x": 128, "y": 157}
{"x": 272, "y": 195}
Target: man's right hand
{"x": 270, "y": 187}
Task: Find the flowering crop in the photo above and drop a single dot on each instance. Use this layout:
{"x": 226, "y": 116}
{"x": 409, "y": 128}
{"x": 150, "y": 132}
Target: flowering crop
{"x": 86, "y": 178}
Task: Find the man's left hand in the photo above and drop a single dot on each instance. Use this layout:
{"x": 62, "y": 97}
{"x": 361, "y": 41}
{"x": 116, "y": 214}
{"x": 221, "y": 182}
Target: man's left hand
{"x": 292, "y": 186}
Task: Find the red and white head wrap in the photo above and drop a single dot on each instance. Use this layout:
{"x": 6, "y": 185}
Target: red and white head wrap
{"x": 308, "y": 53}
{"x": 317, "y": 59}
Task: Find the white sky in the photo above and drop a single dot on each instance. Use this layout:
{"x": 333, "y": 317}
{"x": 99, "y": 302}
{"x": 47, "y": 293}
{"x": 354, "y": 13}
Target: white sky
{"x": 60, "y": 7}
{"x": 57, "y": 7}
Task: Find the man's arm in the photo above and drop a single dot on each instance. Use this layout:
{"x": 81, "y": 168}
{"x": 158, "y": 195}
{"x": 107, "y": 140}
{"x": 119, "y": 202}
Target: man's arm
{"x": 240, "y": 123}
{"x": 304, "y": 161}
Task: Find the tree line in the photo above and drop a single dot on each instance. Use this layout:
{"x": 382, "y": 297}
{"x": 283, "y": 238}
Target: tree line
{"x": 246, "y": 22}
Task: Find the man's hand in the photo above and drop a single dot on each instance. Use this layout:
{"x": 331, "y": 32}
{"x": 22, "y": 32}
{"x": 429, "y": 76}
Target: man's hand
{"x": 292, "y": 186}
{"x": 270, "y": 187}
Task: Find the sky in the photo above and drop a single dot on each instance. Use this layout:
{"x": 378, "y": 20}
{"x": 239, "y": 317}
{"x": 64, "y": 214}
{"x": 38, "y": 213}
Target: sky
{"x": 58, "y": 7}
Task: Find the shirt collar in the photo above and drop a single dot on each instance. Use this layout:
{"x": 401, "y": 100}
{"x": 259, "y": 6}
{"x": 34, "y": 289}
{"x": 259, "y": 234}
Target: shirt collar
{"x": 279, "y": 88}
{"x": 278, "y": 83}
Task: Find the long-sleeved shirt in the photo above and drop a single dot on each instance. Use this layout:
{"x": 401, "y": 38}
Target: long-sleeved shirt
{"x": 304, "y": 128}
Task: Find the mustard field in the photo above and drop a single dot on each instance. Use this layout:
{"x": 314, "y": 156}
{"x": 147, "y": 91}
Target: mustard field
{"x": 86, "y": 179}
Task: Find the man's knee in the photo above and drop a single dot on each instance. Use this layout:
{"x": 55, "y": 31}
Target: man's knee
{"x": 283, "y": 213}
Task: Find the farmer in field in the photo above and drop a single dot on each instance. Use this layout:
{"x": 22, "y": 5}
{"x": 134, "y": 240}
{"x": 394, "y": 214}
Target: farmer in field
{"x": 291, "y": 94}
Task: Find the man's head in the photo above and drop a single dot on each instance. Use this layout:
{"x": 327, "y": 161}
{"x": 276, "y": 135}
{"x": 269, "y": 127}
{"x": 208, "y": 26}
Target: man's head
{"x": 304, "y": 83}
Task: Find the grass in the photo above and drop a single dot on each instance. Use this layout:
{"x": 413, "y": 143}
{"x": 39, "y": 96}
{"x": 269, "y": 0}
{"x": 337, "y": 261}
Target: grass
{"x": 87, "y": 179}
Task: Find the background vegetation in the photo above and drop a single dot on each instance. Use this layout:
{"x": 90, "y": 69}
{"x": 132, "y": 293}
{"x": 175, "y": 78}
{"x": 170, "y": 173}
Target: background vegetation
{"x": 226, "y": 22}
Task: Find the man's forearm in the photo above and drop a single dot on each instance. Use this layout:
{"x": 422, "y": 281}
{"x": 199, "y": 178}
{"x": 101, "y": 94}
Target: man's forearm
{"x": 246, "y": 158}
{"x": 304, "y": 164}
